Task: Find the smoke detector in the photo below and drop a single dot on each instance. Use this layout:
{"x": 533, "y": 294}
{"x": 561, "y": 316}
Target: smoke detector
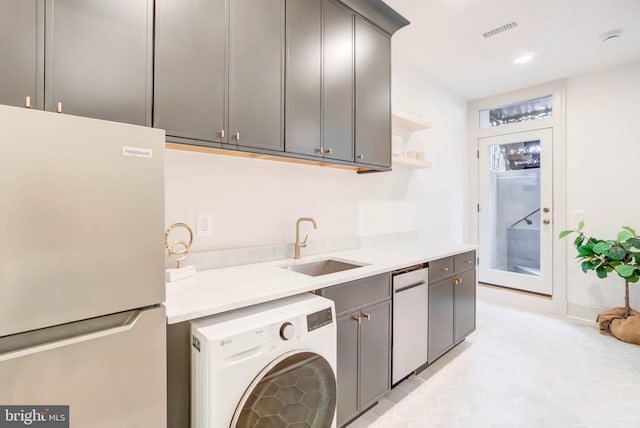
{"x": 611, "y": 35}
{"x": 500, "y": 29}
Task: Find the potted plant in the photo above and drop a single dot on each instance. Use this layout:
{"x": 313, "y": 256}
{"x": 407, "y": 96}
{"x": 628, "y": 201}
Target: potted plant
{"x": 603, "y": 256}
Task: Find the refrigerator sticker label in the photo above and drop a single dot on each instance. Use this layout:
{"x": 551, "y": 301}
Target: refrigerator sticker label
{"x": 34, "y": 416}
{"x": 137, "y": 152}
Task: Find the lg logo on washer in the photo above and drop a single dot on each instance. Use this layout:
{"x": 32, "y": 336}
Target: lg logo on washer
{"x": 34, "y": 416}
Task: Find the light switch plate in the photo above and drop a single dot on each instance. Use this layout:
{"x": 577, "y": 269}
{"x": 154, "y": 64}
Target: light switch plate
{"x": 203, "y": 227}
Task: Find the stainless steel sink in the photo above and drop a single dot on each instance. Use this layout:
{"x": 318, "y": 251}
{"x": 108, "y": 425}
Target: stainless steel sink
{"x": 322, "y": 267}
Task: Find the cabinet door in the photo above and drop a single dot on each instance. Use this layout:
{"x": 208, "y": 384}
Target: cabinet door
{"x": 190, "y": 68}
{"x": 347, "y": 377}
{"x": 22, "y": 52}
{"x": 375, "y": 357}
{"x": 98, "y": 58}
{"x": 338, "y": 82}
{"x": 440, "y": 318}
{"x": 465, "y": 305}
{"x": 303, "y": 81}
{"x": 256, "y": 57}
{"x": 373, "y": 95}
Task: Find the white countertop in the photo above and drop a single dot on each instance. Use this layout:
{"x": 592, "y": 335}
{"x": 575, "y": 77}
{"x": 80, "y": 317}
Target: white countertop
{"x": 220, "y": 290}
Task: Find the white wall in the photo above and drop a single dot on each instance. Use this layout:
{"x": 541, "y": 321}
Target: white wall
{"x": 256, "y": 202}
{"x": 603, "y": 149}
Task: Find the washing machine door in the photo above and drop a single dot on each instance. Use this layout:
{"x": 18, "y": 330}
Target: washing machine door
{"x": 297, "y": 389}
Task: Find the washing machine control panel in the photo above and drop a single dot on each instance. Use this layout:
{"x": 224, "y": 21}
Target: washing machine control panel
{"x": 319, "y": 319}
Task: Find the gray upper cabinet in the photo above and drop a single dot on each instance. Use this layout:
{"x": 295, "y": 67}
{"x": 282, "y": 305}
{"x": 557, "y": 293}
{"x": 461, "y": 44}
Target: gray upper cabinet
{"x": 256, "y": 73}
{"x": 98, "y": 59}
{"x": 190, "y": 69}
{"x": 303, "y": 77}
{"x": 338, "y": 81}
{"x": 373, "y": 95}
{"x": 22, "y": 53}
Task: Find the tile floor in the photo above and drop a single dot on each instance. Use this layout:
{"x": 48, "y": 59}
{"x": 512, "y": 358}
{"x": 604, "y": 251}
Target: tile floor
{"x": 520, "y": 369}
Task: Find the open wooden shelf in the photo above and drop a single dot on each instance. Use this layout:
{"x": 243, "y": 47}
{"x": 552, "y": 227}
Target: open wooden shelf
{"x": 409, "y": 121}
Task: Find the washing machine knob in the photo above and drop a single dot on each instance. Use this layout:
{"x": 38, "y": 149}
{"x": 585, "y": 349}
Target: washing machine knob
{"x": 287, "y": 331}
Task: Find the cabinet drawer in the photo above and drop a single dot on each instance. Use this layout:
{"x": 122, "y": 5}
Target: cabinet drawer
{"x": 464, "y": 261}
{"x": 355, "y": 294}
{"x": 440, "y": 268}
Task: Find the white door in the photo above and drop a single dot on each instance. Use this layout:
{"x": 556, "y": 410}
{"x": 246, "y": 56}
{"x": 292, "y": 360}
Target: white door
{"x": 515, "y": 212}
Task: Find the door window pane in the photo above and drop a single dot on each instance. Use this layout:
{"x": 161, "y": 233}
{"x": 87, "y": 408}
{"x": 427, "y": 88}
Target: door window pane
{"x": 514, "y": 207}
{"x": 539, "y": 108}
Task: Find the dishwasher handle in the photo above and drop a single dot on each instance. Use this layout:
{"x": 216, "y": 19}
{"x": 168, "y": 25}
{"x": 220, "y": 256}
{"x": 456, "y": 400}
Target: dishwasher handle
{"x": 408, "y": 287}
{"x": 409, "y": 279}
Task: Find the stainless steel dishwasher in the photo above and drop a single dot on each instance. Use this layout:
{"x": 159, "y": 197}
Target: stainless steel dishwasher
{"x": 410, "y": 318}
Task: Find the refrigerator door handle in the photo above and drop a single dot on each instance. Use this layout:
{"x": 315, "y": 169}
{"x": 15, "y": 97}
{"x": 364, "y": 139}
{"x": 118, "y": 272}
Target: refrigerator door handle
{"x": 37, "y": 341}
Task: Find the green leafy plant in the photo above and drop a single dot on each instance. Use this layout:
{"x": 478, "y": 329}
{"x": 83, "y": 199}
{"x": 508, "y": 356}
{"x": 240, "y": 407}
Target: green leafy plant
{"x": 603, "y": 256}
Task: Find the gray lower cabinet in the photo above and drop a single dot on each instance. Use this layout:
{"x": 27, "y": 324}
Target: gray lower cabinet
{"x": 375, "y": 359}
{"x": 256, "y": 77}
{"x": 465, "y": 305}
{"x": 22, "y": 53}
{"x": 89, "y": 58}
{"x": 372, "y": 95}
{"x": 98, "y": 59}
{"x": 452, "y": 302}
{"x": 363, "y": 310}
{"x": 190, "y": 69}
{"x": 348, "y": 351}
{"x": 440, "y": 318}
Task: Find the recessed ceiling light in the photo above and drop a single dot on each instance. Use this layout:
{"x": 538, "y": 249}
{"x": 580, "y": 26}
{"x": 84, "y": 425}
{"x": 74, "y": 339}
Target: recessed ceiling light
{"x": 524, "y": 58}
{"x": 611, "y": 35}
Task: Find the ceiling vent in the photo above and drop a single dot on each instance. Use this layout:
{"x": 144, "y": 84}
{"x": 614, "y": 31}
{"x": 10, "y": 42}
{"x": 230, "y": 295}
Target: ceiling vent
{"x": 500, "y": 29}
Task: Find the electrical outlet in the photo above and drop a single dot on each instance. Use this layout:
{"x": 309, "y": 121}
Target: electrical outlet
{"x": 204, "y": 224}
{"x": 578, "y": 216}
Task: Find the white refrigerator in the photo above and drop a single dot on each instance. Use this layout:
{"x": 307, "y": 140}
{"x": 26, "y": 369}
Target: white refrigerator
{"x": 82, "y": 269}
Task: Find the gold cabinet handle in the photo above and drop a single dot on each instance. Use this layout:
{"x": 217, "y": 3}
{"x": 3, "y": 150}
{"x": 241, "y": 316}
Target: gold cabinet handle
{"x": 546, "y": 221}
{"x": 27, "y": 102}
{"x": 444, "y": 269}
{"x": 360, "y": 156}
{"x": 59, "y": 108}
{"x": 357, "y": 319}
{"x": 468, "y": 262}
{"x": 457, "y": 281}
{"x": 328, "y": 151}
{"x": 236, "y": 136}
{"x": 319, "y": 150}
{"x": 367, "y": 316}
{"x": 221, "y": 133}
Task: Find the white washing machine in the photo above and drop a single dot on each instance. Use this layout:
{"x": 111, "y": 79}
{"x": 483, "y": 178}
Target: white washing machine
{"x": 269, "y": 365}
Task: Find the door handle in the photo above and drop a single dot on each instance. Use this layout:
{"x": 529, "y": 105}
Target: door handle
{"x": 328, "y": 151}
{"x": 360, "y": 156}
{"x": 367, "y": 316}
{"x": 221, "y": 133}
{"x": 236, "y": 136}
{"x": 59, "y": 107}
{"x": 27, "y": 102}
{"x": 357, "y": 319}
{"x": 546, "y": 221}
